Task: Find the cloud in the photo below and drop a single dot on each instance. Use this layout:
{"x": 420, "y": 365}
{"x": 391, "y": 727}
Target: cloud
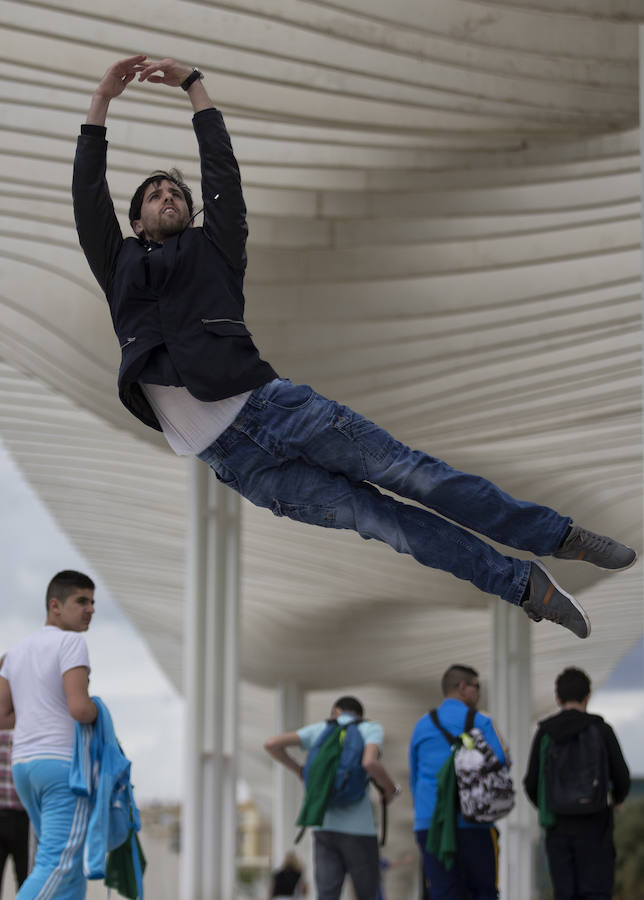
{"x": 624, "y": 711}
{"x": 628, "y": 674}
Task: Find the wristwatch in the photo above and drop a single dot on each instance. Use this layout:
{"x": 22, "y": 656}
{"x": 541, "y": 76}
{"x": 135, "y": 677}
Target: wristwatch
{"x": 192, "y": 77}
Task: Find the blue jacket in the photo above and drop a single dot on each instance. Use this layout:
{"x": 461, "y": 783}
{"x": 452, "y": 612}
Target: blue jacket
{"x": 428, "y": 750}
{"x": 101, "y": 772}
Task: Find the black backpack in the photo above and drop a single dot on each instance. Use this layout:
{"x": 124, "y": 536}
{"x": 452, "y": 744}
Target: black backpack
{"x": 577, "y": 773}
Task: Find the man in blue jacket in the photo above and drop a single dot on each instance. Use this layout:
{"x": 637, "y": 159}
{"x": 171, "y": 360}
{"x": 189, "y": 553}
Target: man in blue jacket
{"x": 475, "y": 868}
{"x": 189, "y": 368}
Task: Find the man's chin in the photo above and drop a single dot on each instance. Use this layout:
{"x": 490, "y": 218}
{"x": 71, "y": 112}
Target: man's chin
{"x": 169, "y": 229}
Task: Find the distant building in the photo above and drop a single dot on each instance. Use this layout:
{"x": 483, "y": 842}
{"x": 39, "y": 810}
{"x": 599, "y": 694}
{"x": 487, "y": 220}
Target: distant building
{"x": 253, "y": 844}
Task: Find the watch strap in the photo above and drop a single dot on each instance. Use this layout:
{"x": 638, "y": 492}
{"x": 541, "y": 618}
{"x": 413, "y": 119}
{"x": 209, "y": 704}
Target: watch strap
{"x": 192, "y": 77}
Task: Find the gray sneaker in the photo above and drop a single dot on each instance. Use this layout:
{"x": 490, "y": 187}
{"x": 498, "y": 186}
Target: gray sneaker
{"x": 597, "y": 549}
{"x": 546, "y": 600}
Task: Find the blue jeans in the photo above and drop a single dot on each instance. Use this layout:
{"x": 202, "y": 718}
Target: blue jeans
{"x": 475, "y": 871}
{"x": 59, "y": 819}
{"x": 311, "y": 459}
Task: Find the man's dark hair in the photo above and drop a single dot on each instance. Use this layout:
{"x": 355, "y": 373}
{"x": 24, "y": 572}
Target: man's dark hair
{"x": 572, "y": 684}
{"x": 173, "y": 175}
{"x": 350, "y": 705}
{"x": 454, "y": 675}
{"x": 65, "y": 583}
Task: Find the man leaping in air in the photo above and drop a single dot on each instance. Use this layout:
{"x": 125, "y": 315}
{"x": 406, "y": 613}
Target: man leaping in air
{"x": 190, "y": 368}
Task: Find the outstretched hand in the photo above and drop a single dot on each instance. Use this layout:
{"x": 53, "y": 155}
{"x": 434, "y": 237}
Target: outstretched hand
{"x": 119, "y": 75}
{"x": 173, "y": 73}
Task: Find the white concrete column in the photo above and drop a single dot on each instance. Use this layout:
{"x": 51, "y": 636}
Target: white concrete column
{"x": 211, "y": 649}
{"x": 510, "y": 701}
{"x": 287, "y": 792}
{"x": 641, "y": 86}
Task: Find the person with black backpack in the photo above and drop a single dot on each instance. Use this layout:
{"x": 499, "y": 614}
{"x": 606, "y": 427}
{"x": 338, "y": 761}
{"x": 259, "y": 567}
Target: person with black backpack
{"x": 342, "y": 758}
{"x": 576, "y": 776}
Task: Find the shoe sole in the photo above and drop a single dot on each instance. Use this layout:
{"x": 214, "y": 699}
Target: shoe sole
{"x": 577, "y": 606}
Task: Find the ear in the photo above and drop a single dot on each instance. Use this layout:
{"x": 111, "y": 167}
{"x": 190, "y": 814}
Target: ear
{"x": 54, "y": 605}
{"x": 137, "y": 228}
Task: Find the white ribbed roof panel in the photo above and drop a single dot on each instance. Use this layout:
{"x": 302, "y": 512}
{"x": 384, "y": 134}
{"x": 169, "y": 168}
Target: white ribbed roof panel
{"x": 444, "y": 204}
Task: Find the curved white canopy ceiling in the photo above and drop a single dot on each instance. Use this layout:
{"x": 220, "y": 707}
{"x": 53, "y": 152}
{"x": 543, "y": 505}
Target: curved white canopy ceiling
{"x": 445, "y": 233}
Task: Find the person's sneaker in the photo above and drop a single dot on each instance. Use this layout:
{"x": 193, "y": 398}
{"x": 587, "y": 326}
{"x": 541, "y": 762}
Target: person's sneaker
{"x": 546, "y": 600}
{"x": 597, "y": 549}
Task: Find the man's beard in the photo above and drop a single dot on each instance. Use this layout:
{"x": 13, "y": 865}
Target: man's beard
{"x": 168, "y": 228}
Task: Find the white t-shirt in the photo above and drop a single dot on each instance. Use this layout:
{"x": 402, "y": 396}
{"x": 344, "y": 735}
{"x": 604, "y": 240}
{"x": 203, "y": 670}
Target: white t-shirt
{"x": 34, "y": 669}
{"x": 191, "y": 425}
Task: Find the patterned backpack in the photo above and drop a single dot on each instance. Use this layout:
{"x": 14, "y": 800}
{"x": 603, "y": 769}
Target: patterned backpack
{"x": 485, "y": 789}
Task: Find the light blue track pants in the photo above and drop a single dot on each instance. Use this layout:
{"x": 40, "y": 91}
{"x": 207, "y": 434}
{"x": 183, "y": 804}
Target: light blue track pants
{"x": 59, "y": 819}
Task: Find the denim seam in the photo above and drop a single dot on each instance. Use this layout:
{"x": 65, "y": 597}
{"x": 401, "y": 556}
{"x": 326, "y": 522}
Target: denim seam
{"x": 523, "y": 581}
{"x": 291, "y": 409}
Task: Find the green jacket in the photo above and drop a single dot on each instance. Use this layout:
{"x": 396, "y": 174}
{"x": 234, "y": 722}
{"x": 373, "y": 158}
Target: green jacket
{"x": 441, "y": 837}
{"x": 320, "y": 780}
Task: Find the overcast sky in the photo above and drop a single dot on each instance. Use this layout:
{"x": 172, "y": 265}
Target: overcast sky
{"x": 147, "y": 711}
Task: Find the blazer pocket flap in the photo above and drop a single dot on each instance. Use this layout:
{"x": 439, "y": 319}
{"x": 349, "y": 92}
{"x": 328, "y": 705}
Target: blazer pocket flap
{"x": 226, "y": 327}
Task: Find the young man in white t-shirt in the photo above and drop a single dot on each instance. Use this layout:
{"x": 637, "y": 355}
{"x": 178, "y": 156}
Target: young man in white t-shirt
{"x": 44, "y": 690}
{"x": 347, "y": 842}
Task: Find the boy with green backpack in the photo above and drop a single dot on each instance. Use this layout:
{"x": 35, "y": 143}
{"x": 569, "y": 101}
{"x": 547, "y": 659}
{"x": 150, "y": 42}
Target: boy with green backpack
{"x": 343, "y": 756}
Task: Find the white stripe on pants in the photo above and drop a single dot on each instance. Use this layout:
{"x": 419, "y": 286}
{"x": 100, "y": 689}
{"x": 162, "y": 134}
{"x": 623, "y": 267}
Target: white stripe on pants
{"x": 59, "y": 818}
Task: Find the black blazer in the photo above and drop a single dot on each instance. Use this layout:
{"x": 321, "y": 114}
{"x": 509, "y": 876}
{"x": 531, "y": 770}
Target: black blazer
{"x": 177, "y": 307}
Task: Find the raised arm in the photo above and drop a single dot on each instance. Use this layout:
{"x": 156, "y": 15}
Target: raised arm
{"x": 111, "y": 85}
{"x": 98, "y": 229}
{"x": 224, "y": 208}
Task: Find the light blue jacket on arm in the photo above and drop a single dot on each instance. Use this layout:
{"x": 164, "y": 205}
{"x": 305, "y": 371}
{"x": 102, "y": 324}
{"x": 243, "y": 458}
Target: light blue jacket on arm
{"x": 101, "y": 771}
